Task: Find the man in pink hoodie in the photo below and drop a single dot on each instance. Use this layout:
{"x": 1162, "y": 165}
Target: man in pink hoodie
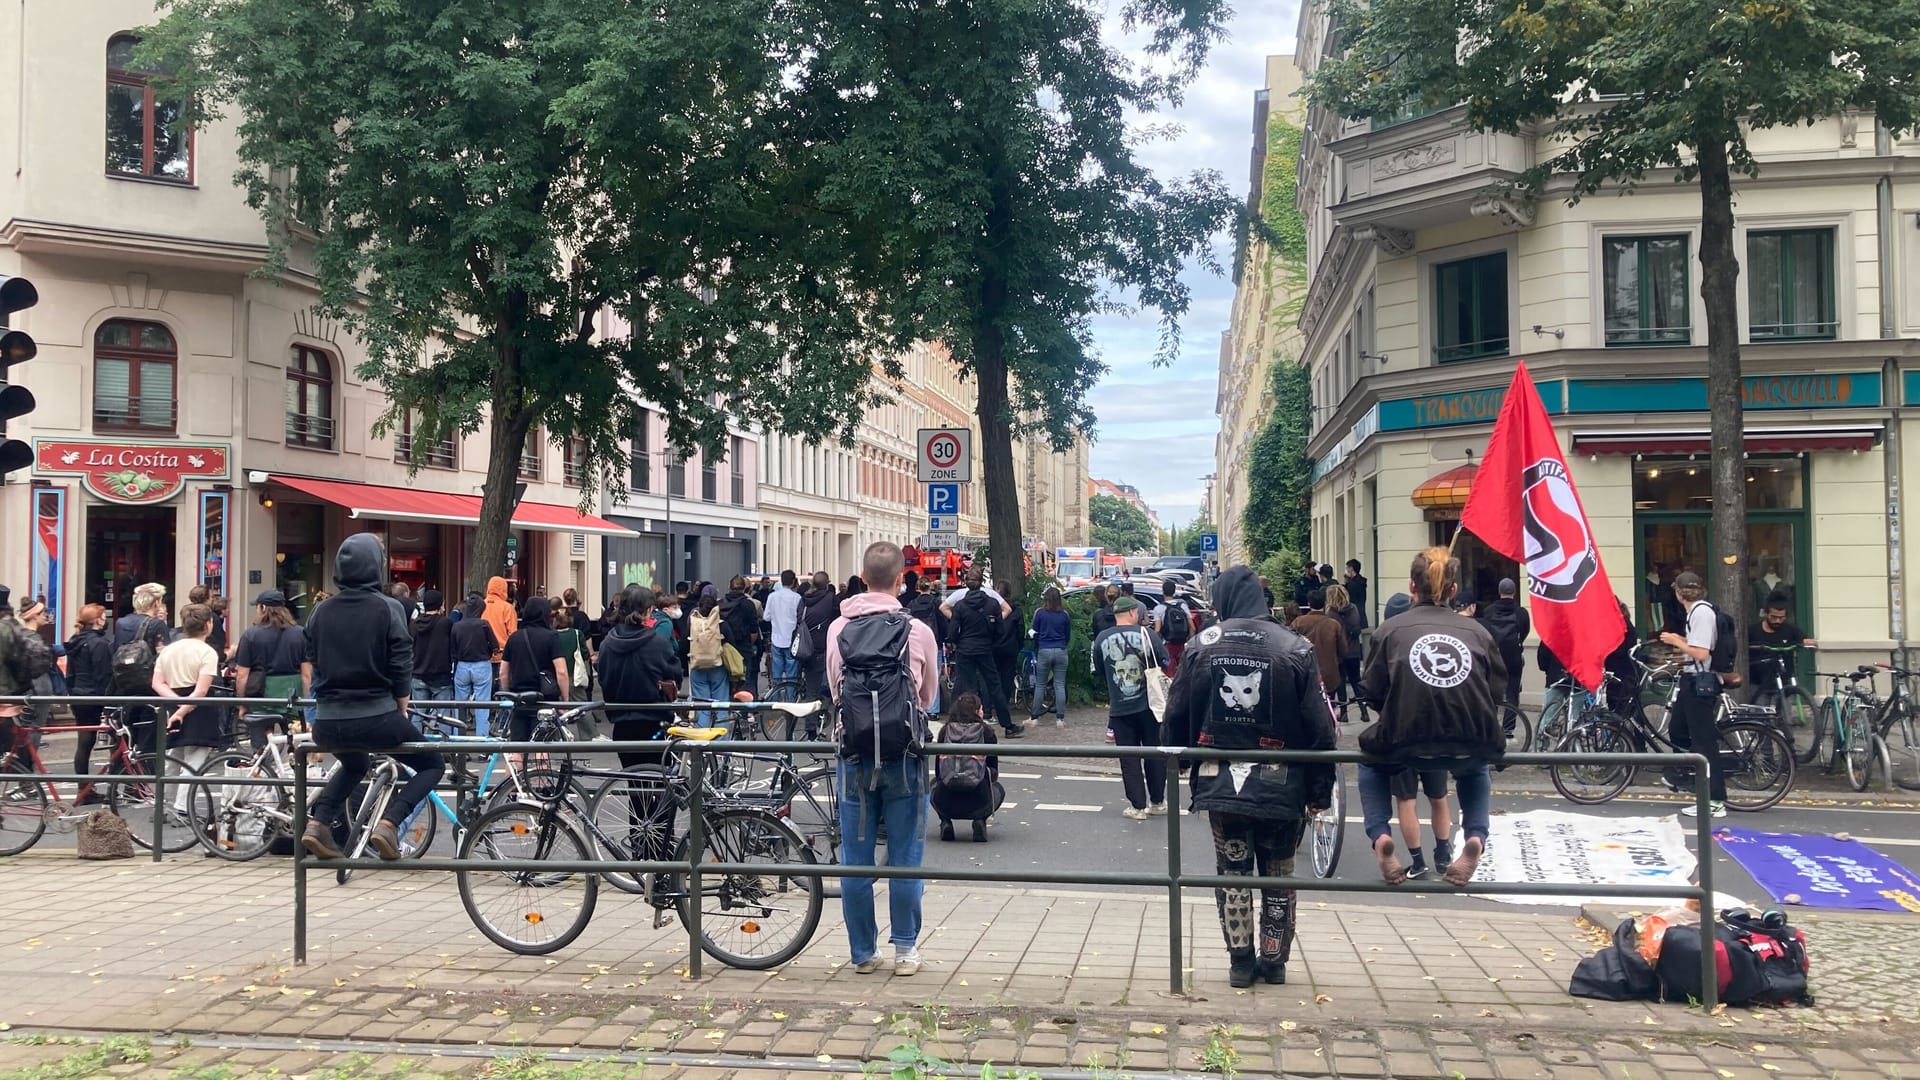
{"x": 883, "y": 785}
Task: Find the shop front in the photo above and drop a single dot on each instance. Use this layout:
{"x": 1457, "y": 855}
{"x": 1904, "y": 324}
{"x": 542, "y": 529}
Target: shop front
{"x": 706, "y": 552}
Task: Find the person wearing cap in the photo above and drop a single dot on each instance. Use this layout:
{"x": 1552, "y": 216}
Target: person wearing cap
{"x": 1121, "y": 656}
{"x": 1507, "y": 621}
{"x": 1698, "y": 698}
{"x": 271, "y": 662}
{"x": 432, "y": 649}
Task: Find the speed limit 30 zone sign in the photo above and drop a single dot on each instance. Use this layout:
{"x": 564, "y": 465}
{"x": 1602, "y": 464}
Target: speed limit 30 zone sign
{"x": 946, "y": 455}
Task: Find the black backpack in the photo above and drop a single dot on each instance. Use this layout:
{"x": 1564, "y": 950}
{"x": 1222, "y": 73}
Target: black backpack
{"x": 962, "y": 773}
{"x": 133, "y": 664}
{"x": 25, "y": 654}
{"x": 1725, "y": 641}
{"x": 1176, "y": 626}
{"x": 880, "y": 717}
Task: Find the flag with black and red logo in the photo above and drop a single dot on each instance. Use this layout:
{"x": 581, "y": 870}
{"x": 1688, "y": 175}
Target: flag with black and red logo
{"x": 1524, "y": 506}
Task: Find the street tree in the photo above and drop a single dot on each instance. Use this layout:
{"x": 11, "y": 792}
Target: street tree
{"x": 534, "y": 212}
{"x": 994, "y": 142}
{"x": 1623, "y": 91}
{"x": 1279, "y": 473}
{"x": 1190, "y": 538}
{"x": 1120, "y": 527}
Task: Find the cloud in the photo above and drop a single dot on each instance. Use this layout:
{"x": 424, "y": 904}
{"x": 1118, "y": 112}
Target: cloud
{"x": 1156, "y": 426}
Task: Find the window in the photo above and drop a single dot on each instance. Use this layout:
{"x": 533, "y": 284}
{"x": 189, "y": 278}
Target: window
{"x": 1646, "y": 290}
{"x": 736, "y": 454}
{"x": 1470, "y": 305}
{"x": 309, "y": 399}
{"x": 640, "y": 459}
{"x": 133, "y": 377}
{"x": 1790, "y": 284}
{"x": 529, "y": 467}
{"x": 709, "y": 480}
{"x": 142, "y": 134}
{"x": 573, "y": 461}
{"x": 676, "y": 476}
{"x": 434, "y": 455}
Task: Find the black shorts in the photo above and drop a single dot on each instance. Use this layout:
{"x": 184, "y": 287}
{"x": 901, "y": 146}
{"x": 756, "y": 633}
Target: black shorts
{"x": 1408, "y": 783}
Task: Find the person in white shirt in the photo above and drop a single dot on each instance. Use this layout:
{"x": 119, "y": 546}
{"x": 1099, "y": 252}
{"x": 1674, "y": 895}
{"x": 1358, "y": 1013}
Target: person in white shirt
{"x": 1699, "y": 697}
{"x": 186, "y": 669}
{"x": 783, "y": 614}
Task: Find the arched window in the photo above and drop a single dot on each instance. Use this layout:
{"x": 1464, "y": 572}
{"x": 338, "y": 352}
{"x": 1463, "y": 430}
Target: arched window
{"x": 133, "y": 377}
{"x": 143, "y": 136}
{"x": 309, "y": 398}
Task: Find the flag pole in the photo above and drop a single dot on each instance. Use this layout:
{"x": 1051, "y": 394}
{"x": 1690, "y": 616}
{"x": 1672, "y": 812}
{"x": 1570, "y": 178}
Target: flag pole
{"x": 1454, "y": 542}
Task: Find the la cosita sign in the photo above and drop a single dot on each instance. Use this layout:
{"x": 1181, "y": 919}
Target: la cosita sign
{"x": 134, "y": 473}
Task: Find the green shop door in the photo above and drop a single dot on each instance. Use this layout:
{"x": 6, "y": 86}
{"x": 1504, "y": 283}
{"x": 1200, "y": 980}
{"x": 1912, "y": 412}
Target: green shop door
{"x": 1673, "y": 533}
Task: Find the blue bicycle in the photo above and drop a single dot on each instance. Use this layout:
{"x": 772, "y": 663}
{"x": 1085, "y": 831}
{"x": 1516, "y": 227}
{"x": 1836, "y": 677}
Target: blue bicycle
{"x": 534, "y": 777}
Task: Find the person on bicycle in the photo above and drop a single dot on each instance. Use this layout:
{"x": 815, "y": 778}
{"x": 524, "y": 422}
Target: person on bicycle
{"x": 1699, "y": 695}
{"x": 1249, "y": 683}
{"x": 1437, "y": 681}
{"x": 362, "y": 655}
{"x": 1769, "y": 640}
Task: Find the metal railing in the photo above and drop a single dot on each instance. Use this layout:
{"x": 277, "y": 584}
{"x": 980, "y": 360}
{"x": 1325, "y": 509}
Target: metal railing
{"x": 1174, "y": 879}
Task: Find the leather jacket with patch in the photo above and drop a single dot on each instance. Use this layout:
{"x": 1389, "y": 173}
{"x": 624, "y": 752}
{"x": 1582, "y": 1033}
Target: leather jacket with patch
{"x": 1437, "y": 679}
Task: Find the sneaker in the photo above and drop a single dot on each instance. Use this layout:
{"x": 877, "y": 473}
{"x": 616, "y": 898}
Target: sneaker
{"x": 1060, "y": 722}
{"x": 868, "y": 966}
{"x": 1109, "y": 734}
{"x": 1158, "y": 809}
{"x": 946, "y": 830}
{"x": 1133, "y": 813}
{"x": 1443, "y": 853}
{"x": 1716, "y": 810}
{"x": 979, "y": 831}
{"x": 1419, "y": 867}
{"x": 318, "y": 840}
{"x": 906, "y": 964}
{"x": 385, "y": 841}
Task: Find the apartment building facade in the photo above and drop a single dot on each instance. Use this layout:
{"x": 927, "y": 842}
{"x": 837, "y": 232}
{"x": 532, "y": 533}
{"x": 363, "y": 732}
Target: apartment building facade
{"x": 1427, "y": 288}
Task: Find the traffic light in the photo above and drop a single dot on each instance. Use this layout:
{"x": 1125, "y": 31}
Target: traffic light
{"x": 16, "y": 294}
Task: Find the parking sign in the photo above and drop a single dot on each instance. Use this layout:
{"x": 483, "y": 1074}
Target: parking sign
{"x": 943, "y": 499}
{"x": 1209, "y": 542}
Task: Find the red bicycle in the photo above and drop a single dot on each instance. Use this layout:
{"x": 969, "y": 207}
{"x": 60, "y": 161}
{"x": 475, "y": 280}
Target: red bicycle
{"x": 28, "y": 803}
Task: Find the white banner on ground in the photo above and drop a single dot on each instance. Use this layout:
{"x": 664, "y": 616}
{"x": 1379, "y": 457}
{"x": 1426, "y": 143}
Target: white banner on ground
{"x": 1555, "y": 846}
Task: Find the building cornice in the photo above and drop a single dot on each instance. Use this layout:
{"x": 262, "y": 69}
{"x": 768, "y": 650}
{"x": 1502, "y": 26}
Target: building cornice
{"x": 32, "y": 237}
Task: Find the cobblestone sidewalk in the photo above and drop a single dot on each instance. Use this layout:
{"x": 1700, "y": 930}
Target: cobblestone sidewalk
{"x": 1035, "y": 979}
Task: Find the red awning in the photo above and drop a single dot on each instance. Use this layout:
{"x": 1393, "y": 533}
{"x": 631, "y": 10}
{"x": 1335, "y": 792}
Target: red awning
{"x": 1759, "y": 441}
{"x": 409, "y": 504}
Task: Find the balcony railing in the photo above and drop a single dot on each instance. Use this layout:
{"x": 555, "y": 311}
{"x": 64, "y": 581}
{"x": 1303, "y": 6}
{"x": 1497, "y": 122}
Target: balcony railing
{"x": 739, "y": 490}
{"x": 133, "y": 414}
{"x": 1471, "y": 350}
{"x": 313, "y": 432}
{"x": 571, "y": 472}
{"x": 437, "y": 455}
{"x": 1794, "y": 331}
{"x": 529, "y": 468}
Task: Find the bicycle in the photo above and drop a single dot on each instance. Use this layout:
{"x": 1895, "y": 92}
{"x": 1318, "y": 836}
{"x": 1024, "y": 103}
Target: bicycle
{"x": 534, "y": 912}
{"x": 1846, "y": 726}
{"x": 1518, "y": 728}
{"x": 29, "y": 805}
{"x": 1756, "y": 759}
{"x": 1901, "y": 759}
{"x": 1779, "y": 689}
{"x": 1329, "y": 827}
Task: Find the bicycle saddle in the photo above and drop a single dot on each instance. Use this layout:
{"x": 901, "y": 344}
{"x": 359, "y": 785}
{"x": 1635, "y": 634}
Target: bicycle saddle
{"x": 698, "y": 734}
{"x": 800, "y": 708}
{"x": 521, "y": 697}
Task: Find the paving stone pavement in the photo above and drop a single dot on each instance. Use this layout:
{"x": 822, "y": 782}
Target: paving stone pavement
{"x": 200, "y": 952}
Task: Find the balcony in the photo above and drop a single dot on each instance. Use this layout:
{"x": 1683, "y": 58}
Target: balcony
{"x": 1424, "y": 171}
{"x": 311, "y": 432}
{"x": 437, "y": 455}
{"x": 529, "y": 467}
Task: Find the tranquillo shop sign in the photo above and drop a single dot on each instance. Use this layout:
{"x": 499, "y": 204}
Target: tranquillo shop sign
{"x": 131, "y": 472}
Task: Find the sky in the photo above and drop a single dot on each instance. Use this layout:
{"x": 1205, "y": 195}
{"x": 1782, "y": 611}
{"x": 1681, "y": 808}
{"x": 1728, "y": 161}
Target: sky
{"x": 1156, "y": 425}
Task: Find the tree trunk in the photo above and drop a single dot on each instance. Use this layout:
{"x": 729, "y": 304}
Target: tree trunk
{"x": 1719, "y": 275}
{"x": 996, "y": 463}
{"x": 506, "y": 437}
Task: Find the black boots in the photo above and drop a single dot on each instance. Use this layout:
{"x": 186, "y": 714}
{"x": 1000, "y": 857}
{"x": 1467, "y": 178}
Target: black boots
{"x": 1240, "y": 969}
{"x": 979, "y": 830}
{"x": 1273, "y": 970}
{"x": 946, "y": 829}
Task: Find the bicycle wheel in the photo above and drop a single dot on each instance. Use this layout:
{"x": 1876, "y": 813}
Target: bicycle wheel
{"x": 134, "y": 803}
{"x": 1519, "y": 729}
{"x": 1330, "y": 827}
{"x": 238, "y": 823}
{"x": 416, "y": 836}
{"x": 1589, "y": 783}
{"x": 1860, "y": 750}
{"x": 1826, "y": 734}
{"x": 23, "y": 809}
{"x": 813, "y": 807}
{"x": 1800, "y": 723}
{"x": 749, "y": 920}
{"x": 629, "y": 822}
{"x": 1553, "y": 725}
{"x": 529, "y": 912}
{"x": 1758, "y": 761}
{"x": 1903, "y": 753}
{"x": 363, "y": 804}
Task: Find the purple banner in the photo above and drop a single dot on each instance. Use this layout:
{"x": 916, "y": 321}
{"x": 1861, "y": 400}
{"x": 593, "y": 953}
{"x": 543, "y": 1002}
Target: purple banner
{"x": 1821, "y": 871}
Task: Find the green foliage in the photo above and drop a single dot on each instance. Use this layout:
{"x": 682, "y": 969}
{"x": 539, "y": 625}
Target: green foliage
{"x": 1120, "y": 527}
{"x": 1278, "y": 184}
{"x": 1279, "y": 482}
{"x": 1083, "y": 686}
{"x": 95, "y": 1060}
{"x": 1219, "y": 1055}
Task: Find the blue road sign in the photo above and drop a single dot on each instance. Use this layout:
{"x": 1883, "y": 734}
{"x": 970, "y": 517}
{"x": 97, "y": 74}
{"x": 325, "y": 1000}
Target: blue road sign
{"x": 943, "y": 498}
{"x": 1209, "y": 542}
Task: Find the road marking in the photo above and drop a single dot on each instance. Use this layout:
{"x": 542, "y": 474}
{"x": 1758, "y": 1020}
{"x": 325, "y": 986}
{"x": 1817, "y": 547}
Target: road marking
{"x": 1020, "y": 776}
{"x": 1075, "y": 807}
{"x": 1089, "y": 779}
{"x": 1009, "y": 806}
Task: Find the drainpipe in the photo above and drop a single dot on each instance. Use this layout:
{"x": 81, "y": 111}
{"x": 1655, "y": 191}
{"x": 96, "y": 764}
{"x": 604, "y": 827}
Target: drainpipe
{"x": 1896, "y": 586}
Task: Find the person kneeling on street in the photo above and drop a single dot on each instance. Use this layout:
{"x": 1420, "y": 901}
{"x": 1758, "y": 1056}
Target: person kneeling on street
{"x": 1437, "y": 681}
{"x": 966, "y": 787}
{"x": 1248, "y": 683}
{"x": 361, "y": 649}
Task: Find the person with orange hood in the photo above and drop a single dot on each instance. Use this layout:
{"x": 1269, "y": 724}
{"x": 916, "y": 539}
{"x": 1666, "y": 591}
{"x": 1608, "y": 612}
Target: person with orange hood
{"x": 500, "y": 615}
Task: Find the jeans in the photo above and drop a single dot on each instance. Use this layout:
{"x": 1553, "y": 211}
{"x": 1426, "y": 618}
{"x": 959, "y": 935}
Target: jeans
{"x": 1471, "y": 779}
{"x": 387, "y": 729}
{"x": 709, "y": 684}
{"x": 899, "y": 801}
{"x": 784, "y": 665}
{"x": 432, "y": 690}
{"x": 473, "y": 681}
{"x": 1140, "y": 729}
{"x": 1050, "y": 666}
{"x": 1240, "y": 846}
{"x": 982, "y": 676}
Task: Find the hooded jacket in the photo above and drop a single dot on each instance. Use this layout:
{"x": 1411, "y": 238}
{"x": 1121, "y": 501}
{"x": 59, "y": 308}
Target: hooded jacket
{"x": 432, "y": 647}
{"x": 499, "y": 612}
{"x": 1248, "y": 683}
{"x": 358, "y": 641}
{"x": 634, "y": 661}
{"x": 739, "y": 621}
{"x": 1436, "y": 679}
{"x": 532, "y": 648}
{"x": 1509, "y": 625}
{"x": 817, "y": 613}
{"x": 90, "y": 662}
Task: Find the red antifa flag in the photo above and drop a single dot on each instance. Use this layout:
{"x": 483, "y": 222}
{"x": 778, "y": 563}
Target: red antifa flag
{"x": 1524, "y": 506}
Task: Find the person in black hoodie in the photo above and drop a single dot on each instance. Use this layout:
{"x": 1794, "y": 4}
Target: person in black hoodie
{"x": 637, "y": 667}
{"x": 531, "y": 652}
{"x": 362, "y": 657}
{"x": 740, "y": 628}
{"x": 89, "y": 673}
{"x": 432, "y": 650}
{"x": 1436, "y": 680}
{"x": 1509, "y": 624}
{"x": 818, "y": 609}
{"x": 1249, "y": 683}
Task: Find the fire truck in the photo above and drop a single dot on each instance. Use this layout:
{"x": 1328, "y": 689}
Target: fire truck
{"x": 946, "y": 567}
